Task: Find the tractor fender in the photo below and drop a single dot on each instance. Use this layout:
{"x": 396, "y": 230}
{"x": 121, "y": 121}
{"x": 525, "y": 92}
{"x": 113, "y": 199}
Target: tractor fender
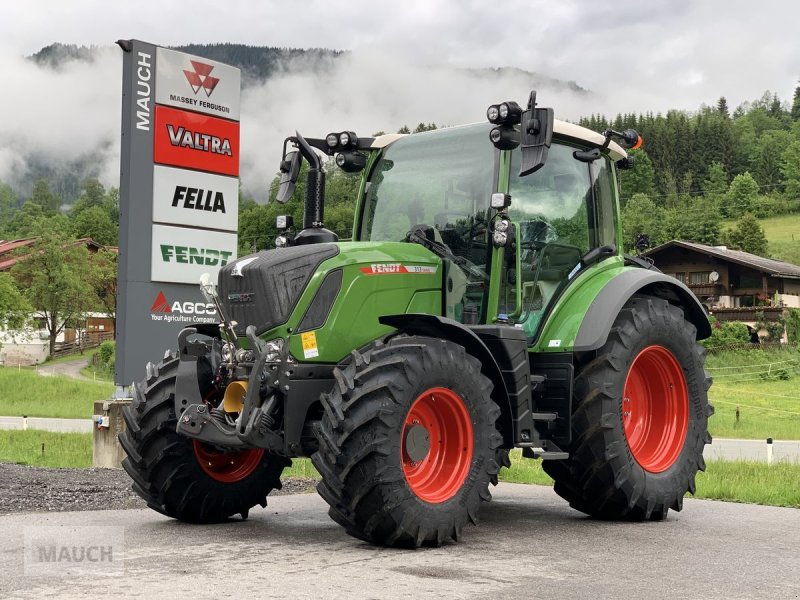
{"x": 442, "y": 327}
{"x": 596, "y": 325}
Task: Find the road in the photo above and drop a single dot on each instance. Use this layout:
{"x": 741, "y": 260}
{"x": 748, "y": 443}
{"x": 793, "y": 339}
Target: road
{"x": 530, "y": 544}
{"x": 48, "y": 424}
{"x": 70, "y": 368}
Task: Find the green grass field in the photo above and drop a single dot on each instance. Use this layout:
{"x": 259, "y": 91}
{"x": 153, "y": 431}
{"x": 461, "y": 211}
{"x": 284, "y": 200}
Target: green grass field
{"x": 783, "y": 233}
{"x": 26, "y": 393}
{"x": 747, "y": 379}
{"x": 46, "y": 449}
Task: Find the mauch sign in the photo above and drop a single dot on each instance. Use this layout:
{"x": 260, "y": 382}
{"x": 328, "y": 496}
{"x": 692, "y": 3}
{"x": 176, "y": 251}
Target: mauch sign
{"x": 179, "y": 192}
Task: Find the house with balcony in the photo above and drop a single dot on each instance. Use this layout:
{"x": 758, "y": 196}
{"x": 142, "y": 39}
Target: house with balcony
{"x": 733, "y": 285}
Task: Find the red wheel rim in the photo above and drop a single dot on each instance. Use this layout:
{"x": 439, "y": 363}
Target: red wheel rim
{"x": 655, "y": 409}
{"x": 227, "y": 467}
{"x": 439, "y": 474}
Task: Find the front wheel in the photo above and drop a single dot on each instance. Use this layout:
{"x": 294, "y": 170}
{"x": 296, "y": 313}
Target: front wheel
{"x": 640, "y": 419}
{"x": 184, "y": 478}
{"x": 408, "y": 443}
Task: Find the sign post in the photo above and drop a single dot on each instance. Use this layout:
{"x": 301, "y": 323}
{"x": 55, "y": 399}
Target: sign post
{"x": 179, "y": 196}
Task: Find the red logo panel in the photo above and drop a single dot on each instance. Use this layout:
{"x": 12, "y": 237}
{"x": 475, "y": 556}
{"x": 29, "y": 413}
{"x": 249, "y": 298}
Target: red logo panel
{"x": 194, "y": 141}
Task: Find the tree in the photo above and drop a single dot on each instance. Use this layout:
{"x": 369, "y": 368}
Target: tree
{"x": 766, "y": 158}
{"x": 103, "y": 279}
{"x": 8, "y": 204}
{"x": 741, "y": 197}
{"x": 404, "y": 129}
{"x": 790, "y": 169}
{"x": 796, "y": 104}
{"x": 748, "y": 236}
{"x": 642, "y": 216}
{"x": 44, "y": 197}
{"x": 640, "y": 179}
{"x": 14, "y": 308}
{"x": 54, "y": 275}
{"x": 95, "y": 223}
{"x": 715, "y": 185}
{"x": 722, "y": 107}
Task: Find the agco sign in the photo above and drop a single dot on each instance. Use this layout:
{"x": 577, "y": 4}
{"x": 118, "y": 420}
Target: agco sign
{"x": 181, "y": 311}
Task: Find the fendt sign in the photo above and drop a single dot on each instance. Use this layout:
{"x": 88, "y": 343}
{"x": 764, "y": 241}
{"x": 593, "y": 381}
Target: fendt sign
{"x": 179, "y": 196}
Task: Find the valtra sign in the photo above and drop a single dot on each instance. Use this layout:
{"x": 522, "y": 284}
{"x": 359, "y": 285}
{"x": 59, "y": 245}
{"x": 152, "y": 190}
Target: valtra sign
{"x": 185, "y": 139}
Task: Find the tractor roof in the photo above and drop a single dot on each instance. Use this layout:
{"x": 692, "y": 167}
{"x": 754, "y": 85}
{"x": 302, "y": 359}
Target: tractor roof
{"x": 561, "y": 129}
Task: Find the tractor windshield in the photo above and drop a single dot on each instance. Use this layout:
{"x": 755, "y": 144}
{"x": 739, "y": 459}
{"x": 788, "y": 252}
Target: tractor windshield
{"x": 441, "y": 181}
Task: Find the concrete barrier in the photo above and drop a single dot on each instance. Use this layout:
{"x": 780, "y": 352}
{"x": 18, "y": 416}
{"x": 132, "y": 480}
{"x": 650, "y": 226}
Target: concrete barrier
{"x": 108, "y": 424}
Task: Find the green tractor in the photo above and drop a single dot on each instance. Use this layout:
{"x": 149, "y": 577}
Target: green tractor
{"x": 484, "y": 304}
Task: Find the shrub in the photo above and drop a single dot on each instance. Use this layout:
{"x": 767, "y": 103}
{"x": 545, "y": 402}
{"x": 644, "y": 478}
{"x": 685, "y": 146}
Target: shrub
{"x": 106, "y": 355}
{"x": 726, "y": 334}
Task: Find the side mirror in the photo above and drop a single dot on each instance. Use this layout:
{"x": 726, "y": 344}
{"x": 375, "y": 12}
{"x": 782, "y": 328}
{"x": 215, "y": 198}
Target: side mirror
{"x": 536, "y": 134}
{"x": 290, "y": 170}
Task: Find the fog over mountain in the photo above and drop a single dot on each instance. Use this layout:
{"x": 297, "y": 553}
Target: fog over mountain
{"x": 65, "y": 103}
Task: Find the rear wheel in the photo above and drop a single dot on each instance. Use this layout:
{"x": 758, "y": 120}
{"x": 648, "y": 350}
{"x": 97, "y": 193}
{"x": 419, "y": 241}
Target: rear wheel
{"x": 640, "y": 419}
{"x": 184, "y": 478}
{"x": 407, "y": 443}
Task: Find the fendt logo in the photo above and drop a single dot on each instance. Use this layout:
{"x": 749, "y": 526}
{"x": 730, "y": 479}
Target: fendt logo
{"x": 163, "y": 310}
{"x": 201, "y": 78}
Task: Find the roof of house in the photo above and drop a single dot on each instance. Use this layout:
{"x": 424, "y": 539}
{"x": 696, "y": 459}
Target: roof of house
{"x": 8, "y": 258}
{"x": 776, "y": 268}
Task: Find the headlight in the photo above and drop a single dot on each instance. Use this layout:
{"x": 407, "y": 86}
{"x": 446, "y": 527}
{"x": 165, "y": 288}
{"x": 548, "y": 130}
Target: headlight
{"x": 503, "y": 111}
{"x": 499, "y": 238}
{"x": 501, "y": 225}
{"x": 344, "y": 138}
{"x": 332, "y": 139}
{"x": 493, "y": 113}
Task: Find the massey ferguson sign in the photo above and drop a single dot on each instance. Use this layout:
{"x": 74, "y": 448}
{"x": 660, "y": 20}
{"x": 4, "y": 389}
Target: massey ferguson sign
{"x": 197, "y": 84}
{"x": 179, "y": 195}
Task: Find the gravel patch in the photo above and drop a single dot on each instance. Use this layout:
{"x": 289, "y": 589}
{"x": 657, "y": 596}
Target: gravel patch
{"x": 39, "y": 489}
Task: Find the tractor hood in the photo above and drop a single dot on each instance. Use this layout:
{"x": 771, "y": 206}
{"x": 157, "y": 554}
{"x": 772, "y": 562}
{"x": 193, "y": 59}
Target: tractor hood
{"x": 262, "y": 289}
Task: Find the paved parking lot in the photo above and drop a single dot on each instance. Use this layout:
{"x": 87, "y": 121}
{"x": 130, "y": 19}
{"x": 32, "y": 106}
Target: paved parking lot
{"x": 528, "y": 545}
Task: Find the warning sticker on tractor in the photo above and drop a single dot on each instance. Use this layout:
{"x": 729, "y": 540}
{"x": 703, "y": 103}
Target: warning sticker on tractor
{"x": 397, "y": 269}
{"x": 309, "y": 339}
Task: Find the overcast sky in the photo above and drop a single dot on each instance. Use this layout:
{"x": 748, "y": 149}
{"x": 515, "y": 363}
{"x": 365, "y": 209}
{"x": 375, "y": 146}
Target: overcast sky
{"x": 634, "y": 55}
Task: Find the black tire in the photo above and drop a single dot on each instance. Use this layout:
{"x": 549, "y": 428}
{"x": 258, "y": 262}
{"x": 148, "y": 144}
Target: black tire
{"x": 360, "y": 435}
{"x": 602, "y": 477}
{"x": 164, "y": 465}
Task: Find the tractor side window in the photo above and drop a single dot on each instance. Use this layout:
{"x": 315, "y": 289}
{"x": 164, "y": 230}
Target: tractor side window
{"x": 555, "y": 210}
{"x": 603, "y": 230}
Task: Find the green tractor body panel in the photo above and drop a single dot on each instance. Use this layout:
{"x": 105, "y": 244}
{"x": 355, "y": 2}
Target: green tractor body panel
{"x": 378, "y": 278}
{"x": 561, "y": 327}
